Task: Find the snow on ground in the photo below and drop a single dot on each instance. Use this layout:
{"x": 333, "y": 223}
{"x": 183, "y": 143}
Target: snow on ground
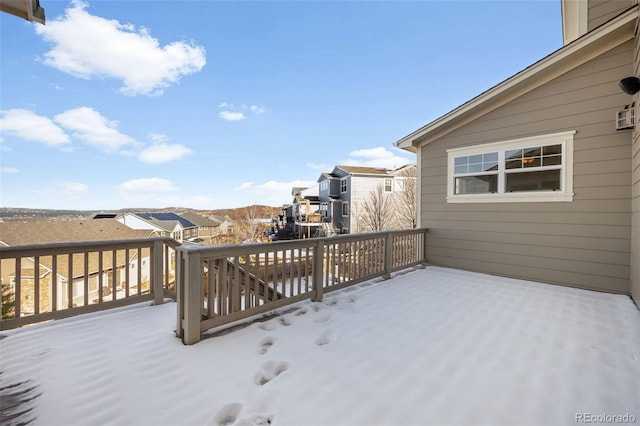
{"x": 433, "y": 346}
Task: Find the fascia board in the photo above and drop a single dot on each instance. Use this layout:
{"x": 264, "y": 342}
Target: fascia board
{"x": 582, "y": 50}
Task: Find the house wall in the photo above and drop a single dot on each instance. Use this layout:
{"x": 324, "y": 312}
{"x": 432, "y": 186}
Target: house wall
{"x": 134, "y": 222}
{"x": 360, "y": 191}
{"x": 584, "y": 243}
{"x": 635, "y": 165}
{"x": 600, "y": 11}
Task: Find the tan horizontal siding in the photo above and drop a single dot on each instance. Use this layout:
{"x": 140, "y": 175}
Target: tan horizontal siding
{"x": 619, "y": 245}
{"x": 585, "y": 280}
{"x": 585, "y": 243}
{"x": 600, "y": 11}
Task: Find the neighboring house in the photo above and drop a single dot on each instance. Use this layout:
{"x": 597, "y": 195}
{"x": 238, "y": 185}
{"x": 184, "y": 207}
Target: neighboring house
{"x": 302, "y": 218}
{"x": 539, "y": 176}
{"x": 16, "y": 233}
{"x": 343, "y": 192}
{"x": 208, "y": 229}
{"x": 227, "y": 225}
{"x": 162, "y": 224}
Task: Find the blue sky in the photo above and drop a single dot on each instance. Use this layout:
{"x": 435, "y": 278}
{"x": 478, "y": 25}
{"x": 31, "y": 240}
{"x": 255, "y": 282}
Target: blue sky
{"x": 218, "y": 104}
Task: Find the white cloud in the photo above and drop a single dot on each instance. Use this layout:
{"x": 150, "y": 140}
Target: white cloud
{"x": 232, "y": 116}
{"x": 257, "y": 109}
{"x": 147, "y": 185}
{"x": 94, "y": 129}
{"x": 232, "y": 112}
{"x": 163, "y": 153}
{"x": 158, "y": 137}
{"x": 272, "y": 192}
{"x": 88, "y": 46}
{"x": 377, "y": 157}
{"x": 8, "y": 170}
{"x": 32, "y": 127}
{"x": 66, "y": 189}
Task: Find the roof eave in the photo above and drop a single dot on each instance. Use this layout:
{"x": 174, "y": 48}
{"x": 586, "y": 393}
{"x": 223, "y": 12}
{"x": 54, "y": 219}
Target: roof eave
{"x": 587, "y": 47}
{"x": 26, "y": 9}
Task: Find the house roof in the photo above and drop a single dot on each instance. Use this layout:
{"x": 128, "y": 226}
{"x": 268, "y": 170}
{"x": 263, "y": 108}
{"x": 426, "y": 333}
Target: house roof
{"x": 44, "y": 231}
{"x": 200, "y": 220}
{"x": 357, "y": 170}
{"x": 592, "y": 44}
{"x": 167, "y": 217}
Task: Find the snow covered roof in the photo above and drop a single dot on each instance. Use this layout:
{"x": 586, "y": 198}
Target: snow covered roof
{"x": 432, "y": 346}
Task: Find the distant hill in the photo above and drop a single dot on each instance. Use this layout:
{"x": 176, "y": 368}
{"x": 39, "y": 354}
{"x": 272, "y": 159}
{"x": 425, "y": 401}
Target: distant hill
{"x": 9, "y": 213}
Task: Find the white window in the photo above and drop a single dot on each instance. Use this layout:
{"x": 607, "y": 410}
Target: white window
{"x": 538, "y": 168}
{"x": 324, "y": 185}
{"x": 388, "y": 185}
{"x": 345, "y": 208}
{"x": 343, "y": 185}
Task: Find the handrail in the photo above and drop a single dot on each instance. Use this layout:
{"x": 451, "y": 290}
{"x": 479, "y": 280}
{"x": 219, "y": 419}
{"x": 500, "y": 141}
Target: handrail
{"x": 41, "y": 282}
{"x": 214, "y": 288}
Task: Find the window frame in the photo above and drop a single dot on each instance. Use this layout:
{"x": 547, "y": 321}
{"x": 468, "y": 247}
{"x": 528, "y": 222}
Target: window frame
{"x": 344, "y": 185}
{"x": 345, "y": 204}
{"x": 390, "y": 186}
{"x": 565, "y": 194}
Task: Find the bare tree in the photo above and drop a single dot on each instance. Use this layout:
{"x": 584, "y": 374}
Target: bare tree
{"x": 377, "y": 212}
{"x": 406, "y": 201}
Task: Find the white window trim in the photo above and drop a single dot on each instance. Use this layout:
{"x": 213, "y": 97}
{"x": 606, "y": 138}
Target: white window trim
{"x": 342, "y": 208}
{"x": 346, "y": 185}
{"x": 566, "y": 177}
{"x": 390, "y": 180}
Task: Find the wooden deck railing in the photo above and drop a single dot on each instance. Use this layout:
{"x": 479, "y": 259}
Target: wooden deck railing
{"x": 223, "y": 284}
{"x": 51, "y": 281}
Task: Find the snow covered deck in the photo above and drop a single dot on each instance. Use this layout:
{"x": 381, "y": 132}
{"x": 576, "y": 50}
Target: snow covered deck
{"x": 433, "y": 346}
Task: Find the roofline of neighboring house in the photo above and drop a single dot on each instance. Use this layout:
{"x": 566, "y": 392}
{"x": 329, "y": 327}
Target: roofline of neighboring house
{"x": 612, "y": 33}
{"x": 162, "y": 228}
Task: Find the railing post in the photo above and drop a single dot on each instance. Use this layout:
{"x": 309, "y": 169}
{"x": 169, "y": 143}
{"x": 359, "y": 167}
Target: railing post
{"x": 157, "y": 282}
{"x": 424, "y": 246}
{"x": 388, "y": 255}
{"x": 192, "y": 292}
{"x": 318, "y": 270}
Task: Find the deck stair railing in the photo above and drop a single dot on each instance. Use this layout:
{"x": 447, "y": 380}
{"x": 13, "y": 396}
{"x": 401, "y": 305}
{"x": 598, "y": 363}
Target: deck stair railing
{"x": 43, "y": 282}
{"x": 222, "y": 284}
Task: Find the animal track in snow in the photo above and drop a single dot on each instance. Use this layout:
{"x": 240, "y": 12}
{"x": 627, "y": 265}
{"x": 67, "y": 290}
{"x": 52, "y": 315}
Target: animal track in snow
{"x": 266, "y": 343}
{"x": 269, "y": 371}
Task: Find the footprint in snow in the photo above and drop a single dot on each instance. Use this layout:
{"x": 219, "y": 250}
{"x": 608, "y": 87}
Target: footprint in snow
{"x": 322, "y": 319}
{"x": 284, "y": 322}
{"x": 300, "y": 312}
{"x": 269, "y": 371}
{"x": 266, "y": 326}
{"x": 266, "y": 344}
{"x": 228, "y": 414}
{"x": 324, "y": 340}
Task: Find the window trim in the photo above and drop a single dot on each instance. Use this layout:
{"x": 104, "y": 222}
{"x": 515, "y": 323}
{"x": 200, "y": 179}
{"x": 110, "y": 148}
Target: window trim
{"x": 345, "y": 203}
{"x": 344, "y": 183}
{"x": 565, "y": 194}
{"x": 390, "y": 181}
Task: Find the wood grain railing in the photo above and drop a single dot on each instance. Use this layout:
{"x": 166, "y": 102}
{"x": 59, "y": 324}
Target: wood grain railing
{"x": 223, "y": 284}
{"x": 42, "y": 282}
